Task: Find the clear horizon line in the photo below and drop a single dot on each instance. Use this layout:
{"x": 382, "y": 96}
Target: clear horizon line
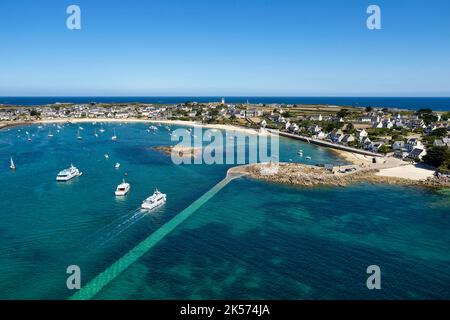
{"x": 225, "y": 96}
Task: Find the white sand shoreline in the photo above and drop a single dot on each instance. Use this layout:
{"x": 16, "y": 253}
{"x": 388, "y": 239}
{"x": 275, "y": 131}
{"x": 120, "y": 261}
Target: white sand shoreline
{"x": 410, "y": 172}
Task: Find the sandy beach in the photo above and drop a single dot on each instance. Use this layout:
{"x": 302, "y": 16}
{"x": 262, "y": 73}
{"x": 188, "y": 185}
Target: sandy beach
{"x": 409, "y": 171}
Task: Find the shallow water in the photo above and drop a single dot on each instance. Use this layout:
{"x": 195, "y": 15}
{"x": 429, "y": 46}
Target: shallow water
{"x": 251, "y": 240}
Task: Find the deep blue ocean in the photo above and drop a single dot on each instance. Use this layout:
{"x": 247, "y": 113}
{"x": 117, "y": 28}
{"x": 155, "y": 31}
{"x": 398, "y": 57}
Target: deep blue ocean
{"x": 252, "y": 240}
{"x": 435, "y": 103}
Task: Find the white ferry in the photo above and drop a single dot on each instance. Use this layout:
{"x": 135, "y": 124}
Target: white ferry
{"x": 122, "y": 189}
{"x": 157, "y": 199}
{"x": 68, "y": 174}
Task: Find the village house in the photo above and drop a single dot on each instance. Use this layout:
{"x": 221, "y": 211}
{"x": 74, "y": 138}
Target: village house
{"x": 361, "y": 134}
{"x": 442, "y": 142}
{"x": 398, "y": 145}
{"x": 347, "y": 139}
{"x": 314, "y": 129}
{"x": 413, "y": 143}
{"x": 320, "y": 135}
{"x": 336, "y": 135}
{"x": 417, "y": 154}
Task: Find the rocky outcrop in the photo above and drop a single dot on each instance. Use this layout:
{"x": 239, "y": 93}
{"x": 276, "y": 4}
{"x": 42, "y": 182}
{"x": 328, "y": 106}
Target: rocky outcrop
{"x": 309, "y": 176}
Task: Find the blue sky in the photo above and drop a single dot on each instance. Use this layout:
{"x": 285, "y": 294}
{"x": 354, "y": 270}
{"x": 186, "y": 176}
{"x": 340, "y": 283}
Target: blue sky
{"x": 224, "y": 48}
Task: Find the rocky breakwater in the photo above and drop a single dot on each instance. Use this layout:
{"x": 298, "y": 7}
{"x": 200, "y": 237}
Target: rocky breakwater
{"x": 309, "y": 176}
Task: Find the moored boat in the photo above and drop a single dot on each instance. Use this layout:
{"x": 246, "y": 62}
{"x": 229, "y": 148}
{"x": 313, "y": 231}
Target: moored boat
{"x": 122, "y": 189}
{"x": 68, "y": 174}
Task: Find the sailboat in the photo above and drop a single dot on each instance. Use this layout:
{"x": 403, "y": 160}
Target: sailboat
{"x": 101, "y": 129}
{"x": 28, "y": 134}
{"x": 114, "y": 137}
{"x": 79, "y": 137}
{"x": 50, "y": 134}
{"x": 95, "y": 133}
{"x": 12, "y": 166}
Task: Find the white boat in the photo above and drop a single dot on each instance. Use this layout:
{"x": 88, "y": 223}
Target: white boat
{"x": 50, "y": 134}
{"x": 79, "y": 137}
{"x": 68, "y": 174}
{"x": 81, "y": 128}
{"x": 155, "y": 200}
{"x": 106, "y": 156}
{"x": 153, "y": 128}
{"x": 28, "y": 135}
{"x": 12, "y": 166}
{"x": 95, "y": 133}
{"x": 122, "y": 189}
{"x": 114, "y": 137}
{"x": 101, "y": 129}
{"x": 308, "y": 158}
{"x": 117, "y": 166}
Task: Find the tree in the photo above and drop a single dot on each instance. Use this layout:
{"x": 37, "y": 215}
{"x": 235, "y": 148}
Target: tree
{"x": 369, "y": 109}
{"x": 384, "y": 149}
{"x": 287, "y": 114}
{"x": 427, "y": 115}
{"x": 437, "y": 156}
{"x": 446, "y": 116}
{"x": 350, "y": 127}
{"x": 343, "y": 113}
{"x": 424, "y": 111}
{"x": 439, "y": 132}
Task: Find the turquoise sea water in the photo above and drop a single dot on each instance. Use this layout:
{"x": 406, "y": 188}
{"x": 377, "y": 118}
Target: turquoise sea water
{"x": 412, "y": 103}
{"x": 251, "y": 240}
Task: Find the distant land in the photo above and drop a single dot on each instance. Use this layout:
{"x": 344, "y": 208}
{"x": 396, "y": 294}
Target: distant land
{"x": 411, "y": 103}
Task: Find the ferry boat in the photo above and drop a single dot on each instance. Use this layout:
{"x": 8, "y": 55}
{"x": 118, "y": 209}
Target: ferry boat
{"x": 122, "y": 189}
{"x": 155, "y": 200}
{"x": 68, "y": 174}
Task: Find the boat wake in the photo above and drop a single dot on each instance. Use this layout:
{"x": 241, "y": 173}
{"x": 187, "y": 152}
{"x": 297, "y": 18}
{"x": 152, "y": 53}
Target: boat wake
{"x": 114, "y": 229}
